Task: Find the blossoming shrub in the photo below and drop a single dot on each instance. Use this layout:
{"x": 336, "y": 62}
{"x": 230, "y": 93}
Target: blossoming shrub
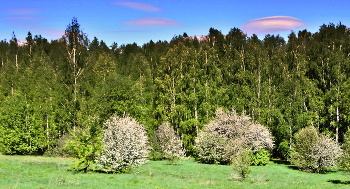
{"x": 210, "y": 147}
{"x": 228, "y": 134}
{"x": 169, "y": 143}
{"x": 124, "y": 145}
{"x": 314, "y": 152}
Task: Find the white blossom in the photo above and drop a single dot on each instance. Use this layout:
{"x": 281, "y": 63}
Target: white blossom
{"x": 169, "y": 142}
{"x": 325, "y": 152}
{"x": 124, "y": 145}
{"x": 227, "y": 134}
{"x": 313, "y": 151}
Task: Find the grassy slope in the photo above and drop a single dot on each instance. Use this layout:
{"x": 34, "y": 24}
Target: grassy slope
{"x": 42, "y": 172}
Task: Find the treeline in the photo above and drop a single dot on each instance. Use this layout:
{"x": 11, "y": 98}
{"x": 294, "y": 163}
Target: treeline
{"x": 50, "y": 88}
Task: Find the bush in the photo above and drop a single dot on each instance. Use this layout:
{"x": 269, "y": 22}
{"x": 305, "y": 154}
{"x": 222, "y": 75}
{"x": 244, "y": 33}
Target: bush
{"x": 84, "y": 144}
{"x": 260, "y": 157}
{"x": 155, "y": 153}
{"x": 227, "y": 134}
{"x": 210, "y": 147}
{"x": 314, "y": 152}
{"x": 344, "y": 161}
{"x": 241, "y": 162}
{"x": 124, "y": 145}
{"x": 60, "y": 149}
{"x": 169, "y": 143}
{"x": 284, "y": 150}
{"x": 21, "y": 130}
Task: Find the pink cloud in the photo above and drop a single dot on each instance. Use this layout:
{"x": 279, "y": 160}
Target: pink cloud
{"x": 272, "y": 24}
{"x": 138, "y": 6}
{"x": 153, "y": 22}
{"x": 23, "y": 11}
{"x": 25, "y": 18}
{"x": 126, "y": 31}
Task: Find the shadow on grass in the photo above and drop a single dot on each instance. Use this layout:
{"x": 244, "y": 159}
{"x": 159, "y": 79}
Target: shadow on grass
{"x": 78, "y": 171}
{"x": 293, "y": 167}
{"x": 279, "y": 161}
{"x": 324, "y": 171}
{"x": 339, "y": 182}
{"x": 174, "y": 164}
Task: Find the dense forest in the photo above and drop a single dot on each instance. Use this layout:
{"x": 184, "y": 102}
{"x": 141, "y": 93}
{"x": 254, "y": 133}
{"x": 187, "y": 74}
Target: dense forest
{"x": 48, "y": 88}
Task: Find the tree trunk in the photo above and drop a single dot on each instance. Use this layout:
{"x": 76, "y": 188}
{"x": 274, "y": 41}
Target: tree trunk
{"x": 47, "y": 131}
{"x": 86, "y": 169}
{"x": 16, "y": 63}
{"x": 206, "y": 85}
{"x": 290, "y": 132}
{"x": 75, "y": 87}
{"x": 336, "y": 128}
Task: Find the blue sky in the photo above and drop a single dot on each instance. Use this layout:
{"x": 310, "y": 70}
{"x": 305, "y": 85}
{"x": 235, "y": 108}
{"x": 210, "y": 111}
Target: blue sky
{"x": 141, "y": 21}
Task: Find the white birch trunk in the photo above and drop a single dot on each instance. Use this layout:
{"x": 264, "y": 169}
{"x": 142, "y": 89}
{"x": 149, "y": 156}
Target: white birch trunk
{"x": 336, "y": 128}
{"x": 47, "y": 131}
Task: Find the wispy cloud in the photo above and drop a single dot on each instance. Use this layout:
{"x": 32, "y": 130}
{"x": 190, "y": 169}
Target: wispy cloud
{"x": 138, "y": 6}
{"x": 23, "y": 11}
{"x": 29, "y": 18}
{"x": 153, "y": 22}
{"x": 272, "y": 24}
{"x": 25, "y": 18}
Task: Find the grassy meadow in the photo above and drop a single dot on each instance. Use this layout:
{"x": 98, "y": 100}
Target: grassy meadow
{"x": 44, "y": 172}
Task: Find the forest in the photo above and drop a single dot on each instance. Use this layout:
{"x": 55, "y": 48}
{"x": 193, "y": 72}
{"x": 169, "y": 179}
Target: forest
{"x": 50, "y": 88}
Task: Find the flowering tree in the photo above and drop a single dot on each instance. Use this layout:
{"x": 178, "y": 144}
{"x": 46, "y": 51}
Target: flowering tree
{"x": 124, "y": 145}
{"x": 228, "y": 134}
{"x": 170, "y": 144}
{"x": 314, "y": 152}
{"x": 210, "y": 147}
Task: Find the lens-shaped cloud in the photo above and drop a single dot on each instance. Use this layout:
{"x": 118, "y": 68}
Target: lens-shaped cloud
{"x": 272, "y": 24}
{"x": 127, "y": 31}
{"x": 138, "y": 6}
{"x": 153, "y": 22}
{"x": 53, "y": 33}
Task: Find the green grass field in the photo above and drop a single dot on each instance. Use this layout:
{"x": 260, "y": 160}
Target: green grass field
{"x": 44, "y": 172}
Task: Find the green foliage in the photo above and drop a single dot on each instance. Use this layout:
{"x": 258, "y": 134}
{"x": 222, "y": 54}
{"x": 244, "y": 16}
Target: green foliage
{"x": 283, "y": 85}
{"x": 241, "y": 162}
{"x": 261, "y": 157}
{"x": 303, "y": 142}
{"x": 20, "y": 127}
{"x": 314, "y": 152}
{"x": 284, "y": 150}
{"x": 344, "y": 161}
{"x": 60, "y": 149}
{"x": 155, "y": 153}
{"x": 170, "y": 144}
{"x": 85, "y": 144}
